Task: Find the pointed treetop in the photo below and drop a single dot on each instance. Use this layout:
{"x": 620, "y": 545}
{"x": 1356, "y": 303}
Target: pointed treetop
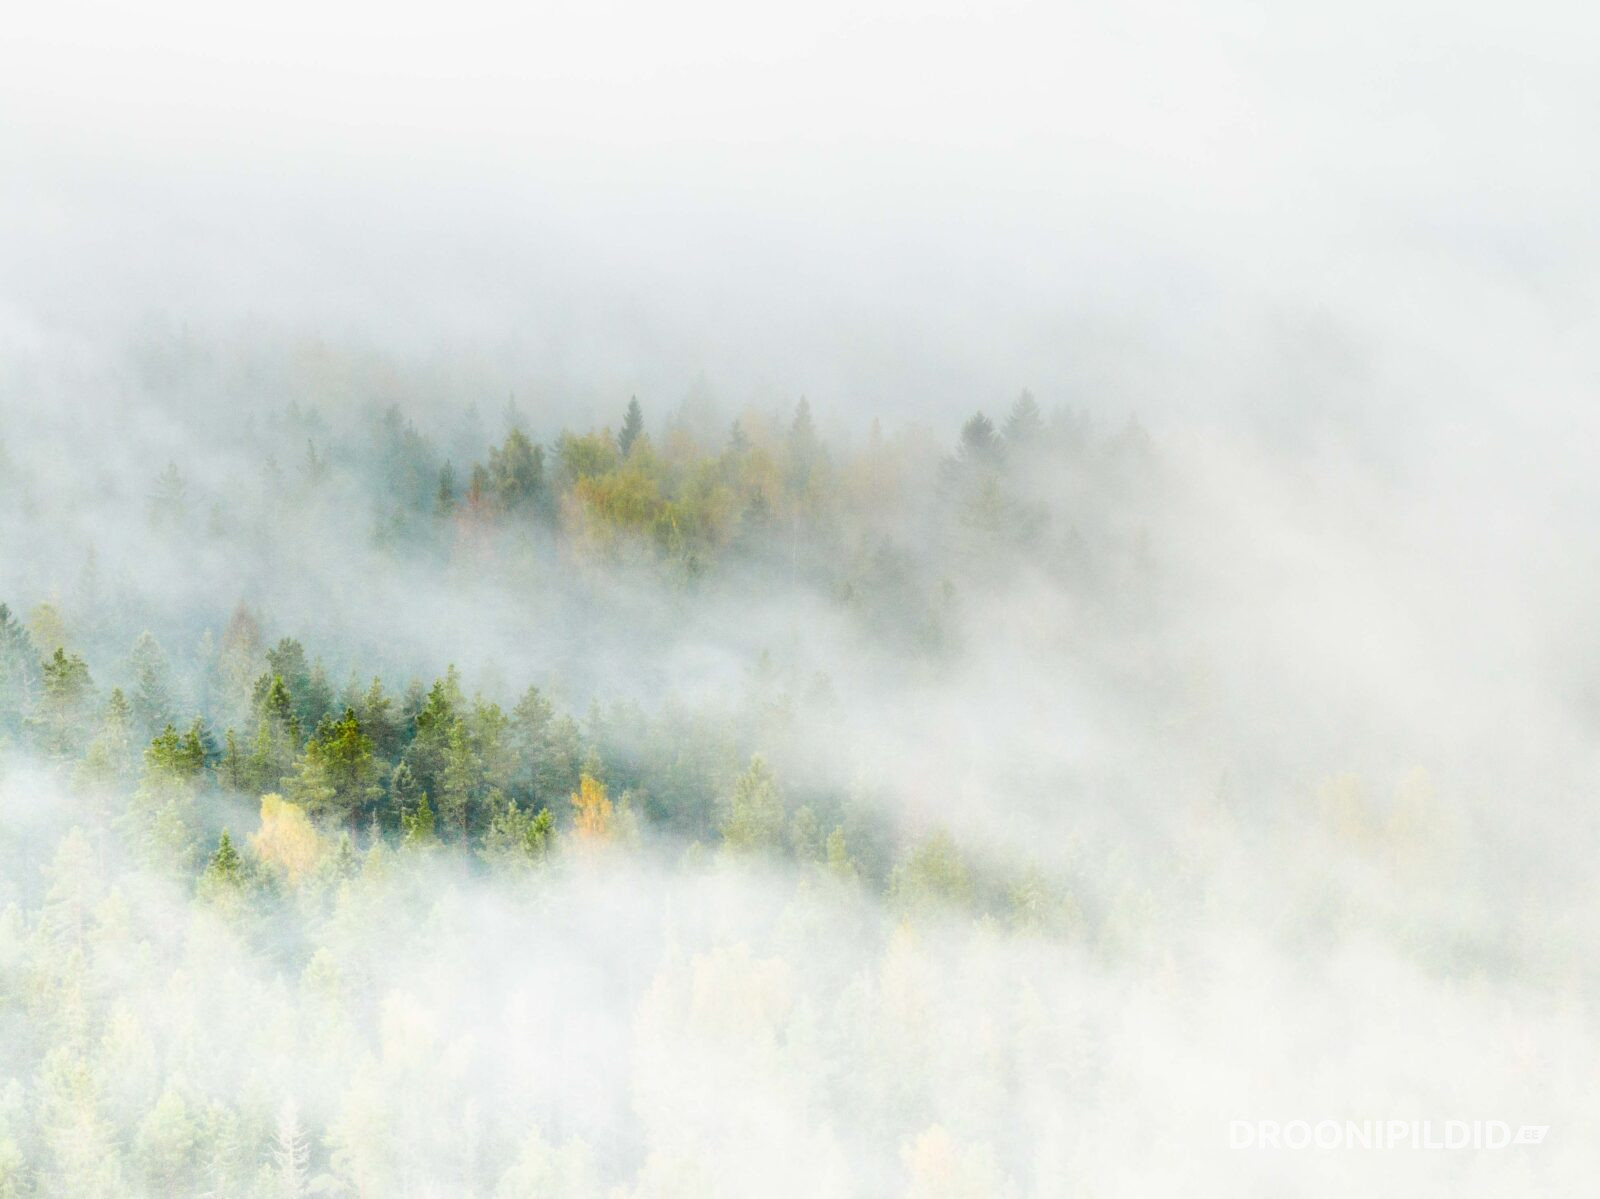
{"x": 1025, "y": 423}
{"x": 632, "y": 426}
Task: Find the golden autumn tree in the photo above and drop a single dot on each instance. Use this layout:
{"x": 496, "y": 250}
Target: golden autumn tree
{"x": 593, "y": 821}
{"x": 286, "y": 837}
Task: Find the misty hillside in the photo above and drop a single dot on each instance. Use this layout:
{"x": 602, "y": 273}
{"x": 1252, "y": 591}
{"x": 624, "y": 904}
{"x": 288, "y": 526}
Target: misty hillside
{"x": 420, "y": 804}
{"x": 837, "y": 601}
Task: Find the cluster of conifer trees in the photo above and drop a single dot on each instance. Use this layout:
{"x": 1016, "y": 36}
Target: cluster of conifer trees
{"x": 258, "y": 725}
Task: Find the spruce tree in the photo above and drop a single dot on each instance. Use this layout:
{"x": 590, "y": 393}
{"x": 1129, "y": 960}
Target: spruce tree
{"x": 444, "y": 497}
{"x": 632, "y": 426}
{"x": 417, "y": 825}
{"x": 1024, "y": 425}
{"x": 226, "y": 866}
{"x": 152, "y": 697}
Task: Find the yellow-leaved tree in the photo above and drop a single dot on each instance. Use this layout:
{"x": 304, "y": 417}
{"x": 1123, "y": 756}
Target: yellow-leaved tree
{"x": 593, "y": 820}
{"x": 286, "y": 838}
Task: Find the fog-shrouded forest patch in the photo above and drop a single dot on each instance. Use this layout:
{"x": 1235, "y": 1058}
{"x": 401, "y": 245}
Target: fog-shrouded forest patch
{"x": 416, "y": 799}
{"x": 866, "y": 599}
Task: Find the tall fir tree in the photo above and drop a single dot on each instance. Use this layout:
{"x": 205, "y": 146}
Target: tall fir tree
{"x": 632, "y": 426}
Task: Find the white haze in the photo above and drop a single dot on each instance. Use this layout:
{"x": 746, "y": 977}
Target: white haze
{"x": 1340, "y": 263}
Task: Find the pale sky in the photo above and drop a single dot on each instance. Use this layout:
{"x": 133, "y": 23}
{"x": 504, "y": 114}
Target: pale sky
{"x": 1153, "y": 206}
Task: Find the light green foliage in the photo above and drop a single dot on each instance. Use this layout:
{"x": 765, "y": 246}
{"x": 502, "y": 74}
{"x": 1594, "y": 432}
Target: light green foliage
{"x": 545, "y": 1172}
{"x": 338, "y": 776}
{"x": 840, "y": 865}
{"x": 417, "y": 829}
{"x": 79, "y": 1142}
{"x": 175, "y": 760}
{"x": 518, "y": 837}
{"x": 585, "y": 456}
{"x": 754, "y": 816}
{"x": 65, "y": 695}
{"x": 164, "y": 1146}
{"x": 931, "y": 874}
{"x": 805, "y": 835}
{"x": 516, "y": 474}
{"x": 162, "y": 812}
{"x": 109, "y": 762}
{"x": 458, "y": 783}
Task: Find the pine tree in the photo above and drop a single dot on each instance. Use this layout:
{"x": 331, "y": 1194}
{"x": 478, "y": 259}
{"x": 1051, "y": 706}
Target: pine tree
{"x": 417, "y": 828}
{"x": 404, "y": 791}
{"x": 343, "y": 862}
{"x": 19, "y": 674}
{"x": 152, "y": 697}
{"x": 444, "y": 497}
{"x": 458, "y": 782}
{"x": 317, "y": 701}
{"x": 375, "y": 710}
{"x": 931, "y": 873}
{"x": 516, "y": 836}
{"x": 338, "y": 773}
{"x": 165, "y": 1143}
{"x": 226, "y": 867}
{"x": 161, "y": 814}
{"x": 175, "y": 757}
{"x": 754, "y": 817}
{"x": 66, "y": 691}
{"x": 437, "y": 719}
{"x": 979, "y": 443}
{"x": 1025, "y": 424}
{"x": 272, "y": 753}
{"x": 287, "y": 661}
{"x": 310, "y": 785}
{"x": 110, "y": 759}
{"x": 840, "y": 865}
{"x": 803, "y": 448}
{"x": 80, "y": 1140}
{"x": 632, "y": 426}
{"x": 276, "y": 707}
{"x": 315, "y": 467}
{"x": 536, "y": 771}
{"x": 232, "y": 770}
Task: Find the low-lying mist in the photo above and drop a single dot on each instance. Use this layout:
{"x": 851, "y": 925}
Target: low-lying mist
{"x": 545, "y": 649}
{"x": 1007, "y": 808}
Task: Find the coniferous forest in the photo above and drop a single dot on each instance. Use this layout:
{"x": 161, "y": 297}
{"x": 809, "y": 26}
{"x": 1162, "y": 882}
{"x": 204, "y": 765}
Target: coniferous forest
{"x": 299, "y": 829}
{"x": 466, "y": 807}
{"x": 846, "y": 600}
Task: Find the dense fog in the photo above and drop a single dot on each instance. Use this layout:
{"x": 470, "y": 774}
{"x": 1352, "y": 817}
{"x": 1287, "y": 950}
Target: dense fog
{"x": 927, "y": 601}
